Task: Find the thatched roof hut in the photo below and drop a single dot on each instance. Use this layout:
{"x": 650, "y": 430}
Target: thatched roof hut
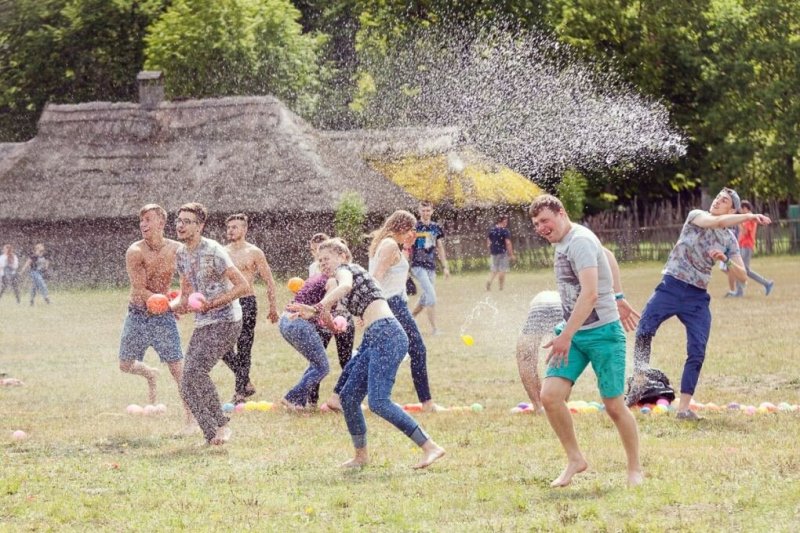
{"x": 81, "y": 181}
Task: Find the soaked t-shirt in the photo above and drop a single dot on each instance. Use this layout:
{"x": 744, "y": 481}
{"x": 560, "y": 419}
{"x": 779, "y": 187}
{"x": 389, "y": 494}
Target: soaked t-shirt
{"x": 313, "y": 290}
{"x": 689, "y": 260}
{"x": 580, "y": 249}
{"x": 424, "y": 249}
{"x": 365, "y": 290}
{"x": 497, "y": 240}
{"x": 204, "y": 268}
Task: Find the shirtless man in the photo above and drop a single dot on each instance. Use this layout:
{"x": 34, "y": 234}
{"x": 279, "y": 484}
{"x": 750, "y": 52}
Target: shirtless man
{"x": 250, "y": 261}
{"x": 151, "y": 266}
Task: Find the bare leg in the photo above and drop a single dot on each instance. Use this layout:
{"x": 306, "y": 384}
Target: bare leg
{"x": 431, "y": 312}
{"x": 417, "y": 309}
{"x": 491, "y": 279}
{"x": 554, "y": 395}
{"x": 684, "y": 402}
{"x": 149, "y": 373}
{"x": 334, "y": 402}
{"x": 432, "y": 452}
{"x": 176, "y": 369}
{"x": 501, "y": 280}
{"x": 528, "y": 365}
{"x": 629, "y": 433}
{"x": 360, "y": 459}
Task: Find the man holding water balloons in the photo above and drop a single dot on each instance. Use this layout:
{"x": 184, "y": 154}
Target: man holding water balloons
{"x": 210, "y": 286}
{"x": 151, "y": 265}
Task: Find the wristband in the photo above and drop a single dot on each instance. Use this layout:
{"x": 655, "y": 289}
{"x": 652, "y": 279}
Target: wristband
{"x": 727, "y": 263}
{"x": 318, "y": 308}
{"x": 619, "y": 296}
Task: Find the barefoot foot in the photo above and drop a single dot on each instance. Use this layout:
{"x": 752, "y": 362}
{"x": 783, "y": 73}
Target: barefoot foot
{"x": 571, "y": 469}
{"x": 635, "y": 478}
{"x": 223, "y": 435}
{"x": 432, "y": 453}
{"x": 354, "y": 463}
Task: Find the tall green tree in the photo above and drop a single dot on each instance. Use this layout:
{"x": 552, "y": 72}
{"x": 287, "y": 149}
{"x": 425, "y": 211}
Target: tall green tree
{"x": 753, "y": 77}
{"x": 68, "y": 51}
{"x": 237, "y": 47}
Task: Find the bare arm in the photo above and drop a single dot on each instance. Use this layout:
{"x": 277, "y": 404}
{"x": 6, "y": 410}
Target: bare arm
{"x": 344, "y": 279}
{"x": 509, "y": 248}
{"x": 134, "y": 264}
{"x": 735, "y": 266}
{"x": 240, "y": 288}
{"x": 442, "y": 256}
{"x": 385, "y": 257}
{"x": 707, "y": 220}
{"x": 25, "y": 267}
{"x": 263, "y": 269}
{"x": 627, "y": 314}
{"x": 560, "y": 345}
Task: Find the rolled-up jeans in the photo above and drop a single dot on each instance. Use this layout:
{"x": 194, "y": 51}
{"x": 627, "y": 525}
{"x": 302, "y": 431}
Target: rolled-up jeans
{"x": 372, "y": 372}
{"x": 38, "y": 284}
{"x": 303, "y": 336}
{"x": 207, "y": 346}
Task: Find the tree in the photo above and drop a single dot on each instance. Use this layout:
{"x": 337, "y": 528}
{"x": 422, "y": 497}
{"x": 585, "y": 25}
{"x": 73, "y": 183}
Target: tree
{"x": 68, "y": 51}
{"x": 234, "y": 47}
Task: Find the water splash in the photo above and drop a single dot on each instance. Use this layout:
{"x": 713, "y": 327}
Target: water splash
{"x": 519, "y": 97}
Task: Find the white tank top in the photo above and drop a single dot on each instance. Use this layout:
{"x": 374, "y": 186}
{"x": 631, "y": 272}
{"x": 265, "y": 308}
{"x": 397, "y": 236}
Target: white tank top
{"x": 394, "y": 280}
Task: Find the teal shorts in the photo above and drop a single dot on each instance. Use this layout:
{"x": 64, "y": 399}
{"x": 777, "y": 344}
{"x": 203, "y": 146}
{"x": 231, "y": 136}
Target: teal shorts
{"x": 604, "y": 347}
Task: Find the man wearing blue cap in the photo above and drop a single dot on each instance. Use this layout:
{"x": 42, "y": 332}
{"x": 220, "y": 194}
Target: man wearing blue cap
{"x": 682, "y": 292}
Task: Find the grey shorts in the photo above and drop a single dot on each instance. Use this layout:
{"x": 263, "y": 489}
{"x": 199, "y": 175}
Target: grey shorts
{"x": 143, "y": 330}
{"x": 500, "y": 262}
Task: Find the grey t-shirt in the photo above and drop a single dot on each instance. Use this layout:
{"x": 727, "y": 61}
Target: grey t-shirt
{"x": 580, "y": 249}
{"x": 689, "y": 259}
{"x": 204, "y": 268}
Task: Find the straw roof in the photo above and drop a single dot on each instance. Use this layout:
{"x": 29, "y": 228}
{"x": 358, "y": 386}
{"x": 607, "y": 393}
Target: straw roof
{"x": 251, "y": 154}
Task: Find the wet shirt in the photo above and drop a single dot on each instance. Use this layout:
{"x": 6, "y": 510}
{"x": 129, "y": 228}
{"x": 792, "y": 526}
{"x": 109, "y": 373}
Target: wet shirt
{"x": 689, "y": 260}
{"x": 580, "y": 249}
{"x": 204, "y": 268}
{"x": 313, "y": 290}
{"x": 9, "y": 266}
{"x": 497, "y": 240}
{"x": 365, "y": 290}
{"x": 424, "y": 248}
{"x": 38, "y": 263}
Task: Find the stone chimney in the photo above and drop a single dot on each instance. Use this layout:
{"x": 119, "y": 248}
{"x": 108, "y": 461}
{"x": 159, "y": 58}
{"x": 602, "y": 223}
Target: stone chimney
{"x": 151, "y": 88}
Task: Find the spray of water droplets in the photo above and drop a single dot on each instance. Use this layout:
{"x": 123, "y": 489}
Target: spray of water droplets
{"x": 519, "y": 97}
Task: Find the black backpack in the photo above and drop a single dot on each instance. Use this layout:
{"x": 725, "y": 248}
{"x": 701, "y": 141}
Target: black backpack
{"x": 656, "y": 386}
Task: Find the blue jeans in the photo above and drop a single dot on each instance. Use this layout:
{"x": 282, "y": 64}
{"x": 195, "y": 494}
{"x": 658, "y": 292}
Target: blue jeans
{"x": 674, "y": 297}
{"x": 416, "y": 347}
{"x": 372, "y": 372}
{"x": 425, "y": 278}
{"x": 303, "y": 336}
{"x": 38, "y": 285}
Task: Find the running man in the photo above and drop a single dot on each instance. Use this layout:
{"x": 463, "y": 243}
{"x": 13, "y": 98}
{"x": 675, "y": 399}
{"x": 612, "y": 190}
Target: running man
{"x": 206, "y": 268}
{"x": 151, "y": 266}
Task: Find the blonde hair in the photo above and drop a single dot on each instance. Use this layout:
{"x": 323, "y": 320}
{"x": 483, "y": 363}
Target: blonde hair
{"x": 153, "y": 207}
{"x": 398, "y": 222}
{"x": 338, "y": 246}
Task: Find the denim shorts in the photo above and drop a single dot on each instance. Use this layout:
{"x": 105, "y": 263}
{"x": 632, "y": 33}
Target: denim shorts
{"x": 425, "y": 278}
{"x": 604, "y": 348}
{"x": 499, "y": 262}
{"x": 142, "y": 330}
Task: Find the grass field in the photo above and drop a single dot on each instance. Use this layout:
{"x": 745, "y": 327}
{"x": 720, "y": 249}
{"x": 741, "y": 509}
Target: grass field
{"x": 87, "y": 465}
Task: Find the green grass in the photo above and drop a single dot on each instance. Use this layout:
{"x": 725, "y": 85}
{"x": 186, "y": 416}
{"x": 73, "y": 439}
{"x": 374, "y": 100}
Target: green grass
{"x": 87, "y": 465}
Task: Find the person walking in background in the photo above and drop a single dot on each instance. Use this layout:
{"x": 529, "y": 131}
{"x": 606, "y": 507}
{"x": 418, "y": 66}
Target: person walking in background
{"x": 501, "y": 251}
{"x": 9, "y": 264}
{"x": 747, "y": 244}
{"x": 313, "y": 244}
{"x": 39, "y": 266}
{"x": 428, "y": 245}
{"x": 251, "y": 262}
{"x": 206, "y": 268}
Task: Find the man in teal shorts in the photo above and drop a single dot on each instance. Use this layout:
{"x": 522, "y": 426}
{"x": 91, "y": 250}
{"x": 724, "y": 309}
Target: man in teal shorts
{"x": 592, "y": 333}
